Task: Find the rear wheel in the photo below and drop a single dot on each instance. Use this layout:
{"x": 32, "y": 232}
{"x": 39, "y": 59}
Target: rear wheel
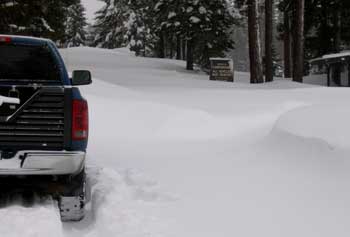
{"x": 72, "y": 200}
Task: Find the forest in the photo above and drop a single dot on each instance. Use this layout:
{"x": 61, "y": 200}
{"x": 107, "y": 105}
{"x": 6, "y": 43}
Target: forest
{"x": 193, "y": 30}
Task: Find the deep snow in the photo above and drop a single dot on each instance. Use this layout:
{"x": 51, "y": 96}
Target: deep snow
{"x": 174, "y": 154}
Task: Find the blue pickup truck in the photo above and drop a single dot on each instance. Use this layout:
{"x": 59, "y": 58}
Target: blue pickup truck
{"x": 43, "y": 123}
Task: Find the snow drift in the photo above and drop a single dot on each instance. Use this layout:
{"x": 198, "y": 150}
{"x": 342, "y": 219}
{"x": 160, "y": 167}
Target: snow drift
{"x": 328, "y": 123}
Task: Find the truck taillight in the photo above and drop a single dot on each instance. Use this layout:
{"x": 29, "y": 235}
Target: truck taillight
{"x": 80, "y": 120}
{"x": 5, "y": 39}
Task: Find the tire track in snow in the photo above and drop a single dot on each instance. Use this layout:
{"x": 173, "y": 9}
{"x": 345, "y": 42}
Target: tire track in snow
{"x": 120, "y": 205}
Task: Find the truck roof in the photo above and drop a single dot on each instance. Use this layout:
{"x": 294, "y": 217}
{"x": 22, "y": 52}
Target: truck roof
{"x": 27, "y": 41}
{"x": 24, "y": 39}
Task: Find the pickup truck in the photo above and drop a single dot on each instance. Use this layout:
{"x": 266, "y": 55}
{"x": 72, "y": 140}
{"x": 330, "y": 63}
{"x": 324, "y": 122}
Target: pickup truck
{"x": 43, "y": 123}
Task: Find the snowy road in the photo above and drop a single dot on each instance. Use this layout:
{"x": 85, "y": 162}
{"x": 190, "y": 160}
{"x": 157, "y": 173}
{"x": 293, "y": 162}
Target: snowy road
{"x": 172, "y": 154}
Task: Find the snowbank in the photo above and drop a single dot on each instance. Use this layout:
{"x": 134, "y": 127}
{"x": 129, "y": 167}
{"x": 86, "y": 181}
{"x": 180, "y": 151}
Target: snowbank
{"x": 324, "y": 122}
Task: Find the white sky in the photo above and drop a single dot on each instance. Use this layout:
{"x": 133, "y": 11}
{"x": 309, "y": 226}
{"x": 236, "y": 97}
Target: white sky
{"x": 91, "y": 7}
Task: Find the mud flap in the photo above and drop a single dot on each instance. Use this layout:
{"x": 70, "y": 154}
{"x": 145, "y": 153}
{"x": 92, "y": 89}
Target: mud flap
{"x": 72, "y": 208}
{"x": 71, "y": 203}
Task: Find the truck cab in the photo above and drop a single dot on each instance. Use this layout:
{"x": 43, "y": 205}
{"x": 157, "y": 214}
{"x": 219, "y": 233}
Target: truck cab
{"x": 44, "y": 123}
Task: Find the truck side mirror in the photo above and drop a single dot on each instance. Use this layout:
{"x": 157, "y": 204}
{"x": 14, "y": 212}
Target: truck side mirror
{"x": 81, "y": 78}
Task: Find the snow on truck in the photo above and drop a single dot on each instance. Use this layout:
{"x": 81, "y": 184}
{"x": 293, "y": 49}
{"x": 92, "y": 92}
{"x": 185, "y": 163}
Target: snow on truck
{"x": 43, "y": 123}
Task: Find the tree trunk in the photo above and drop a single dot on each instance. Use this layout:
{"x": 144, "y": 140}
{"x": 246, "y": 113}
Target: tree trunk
{"x": 337, "y": 25}
{"x": 161, "y": 46}
{"x": 326, "y": 44}
{"x": 184, "y": 49}
{"x": 190, "y": 45}
{"x": 287, "y": 46}
{"x": 171, "y": 47}
{"x": 298, "y": 71}
{"x": 268, "y": 40}
{"x": 256, "y": 72}
{"x": 178, "y": 47}
{"x": 166, "y": 46}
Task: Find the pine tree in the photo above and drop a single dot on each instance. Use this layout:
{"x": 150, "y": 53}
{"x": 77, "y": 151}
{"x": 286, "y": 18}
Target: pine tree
{"x": 204, "y": 24}
{"x": 75, "y": 25}
{"x": 163, "y": 27}
{"x": 39, "y": 18}
{"x": 168, "y": 21}
{"x": 216, "y": 30}
{"x": 256, "y": 71}
{"x": 285, "y": 28}
{"x": 137, "y": 34}
{"x": 110, "y": 27}
{"x": 269, "y": 40}
{"x": 327, "y": 28}
{"x": 298, "y": 66}
{"x": 8, "y": 18}
{"x": 140, "y": 36}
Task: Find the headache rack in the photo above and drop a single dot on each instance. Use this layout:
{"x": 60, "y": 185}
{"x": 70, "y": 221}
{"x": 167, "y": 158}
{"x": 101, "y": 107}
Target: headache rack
{"x": 41, "y": 123}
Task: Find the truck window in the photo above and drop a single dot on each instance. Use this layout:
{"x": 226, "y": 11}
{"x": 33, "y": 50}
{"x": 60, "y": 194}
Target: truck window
{"x": 22, "y": 64}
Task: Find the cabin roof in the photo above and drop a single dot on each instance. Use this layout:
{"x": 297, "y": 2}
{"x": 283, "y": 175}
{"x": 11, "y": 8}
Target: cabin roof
{"x": 332, "y": 58}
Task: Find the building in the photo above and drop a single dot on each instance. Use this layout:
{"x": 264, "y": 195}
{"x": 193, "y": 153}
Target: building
{"x": 331, "y": 70}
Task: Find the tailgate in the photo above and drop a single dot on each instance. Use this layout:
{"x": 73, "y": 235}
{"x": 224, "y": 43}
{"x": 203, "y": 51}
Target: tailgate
{"x": 40, "y": 122}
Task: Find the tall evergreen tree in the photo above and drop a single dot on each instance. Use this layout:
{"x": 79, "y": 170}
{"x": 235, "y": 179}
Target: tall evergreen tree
{"x": 75, "y": 25}
{"x": 110, "y": 27}
{"x": 169, "y": 21}
{"x": 298, "y": 66}
{"x": 140, "y": 27}
{"x": 39, "y": 18}
{"x": 269, "y": 40}
{"x": 327, "y": 28}
{"x": 256, "y": 71}
{"x": 285, "y": 28}
{"x": 204, "y": 24}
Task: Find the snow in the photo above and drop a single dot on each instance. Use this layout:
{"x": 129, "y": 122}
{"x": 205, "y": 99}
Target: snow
{"x": 42, "y": 219}
{"x": 189, "y": 9}
{"x": 158, "y": 4}
{"x": 8, "y": 100}
{"x": 132, "y": 42}
{"x": 202, "y": 10}
{"x": 337, "y": 55}
{"x": 316, "y": 122}
{"x": 21, "y": 28}
{"x": 139, "y": 43}
{"x": 316, "y": 79}
{"x": 174, "y": 154}
{"x": 46, "y": 25}
{"x": 221, "y": 59}
{"x": 171, "y": 15}
{"x": 10, "y": 4}
{"x": 194, "y": 19}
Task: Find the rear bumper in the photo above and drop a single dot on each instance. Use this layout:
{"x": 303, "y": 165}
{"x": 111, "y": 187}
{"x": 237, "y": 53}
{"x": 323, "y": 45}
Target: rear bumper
{"x": 43, "y": 163}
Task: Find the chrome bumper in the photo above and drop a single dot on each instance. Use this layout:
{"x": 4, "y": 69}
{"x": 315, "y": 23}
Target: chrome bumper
{"x": 43, "y": 163}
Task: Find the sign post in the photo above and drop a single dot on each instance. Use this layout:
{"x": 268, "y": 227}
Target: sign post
{"x": 221, "y": 69}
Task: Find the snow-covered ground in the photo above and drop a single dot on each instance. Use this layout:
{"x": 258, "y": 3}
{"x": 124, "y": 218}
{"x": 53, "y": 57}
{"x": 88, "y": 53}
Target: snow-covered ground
{"x": 173, "y": 154}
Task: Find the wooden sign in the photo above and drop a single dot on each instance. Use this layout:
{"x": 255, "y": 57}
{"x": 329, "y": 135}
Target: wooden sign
{"x": 221, "y": 69}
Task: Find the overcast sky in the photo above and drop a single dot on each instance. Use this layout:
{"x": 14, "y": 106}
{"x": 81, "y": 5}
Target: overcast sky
{"x": 91, "y": 7}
